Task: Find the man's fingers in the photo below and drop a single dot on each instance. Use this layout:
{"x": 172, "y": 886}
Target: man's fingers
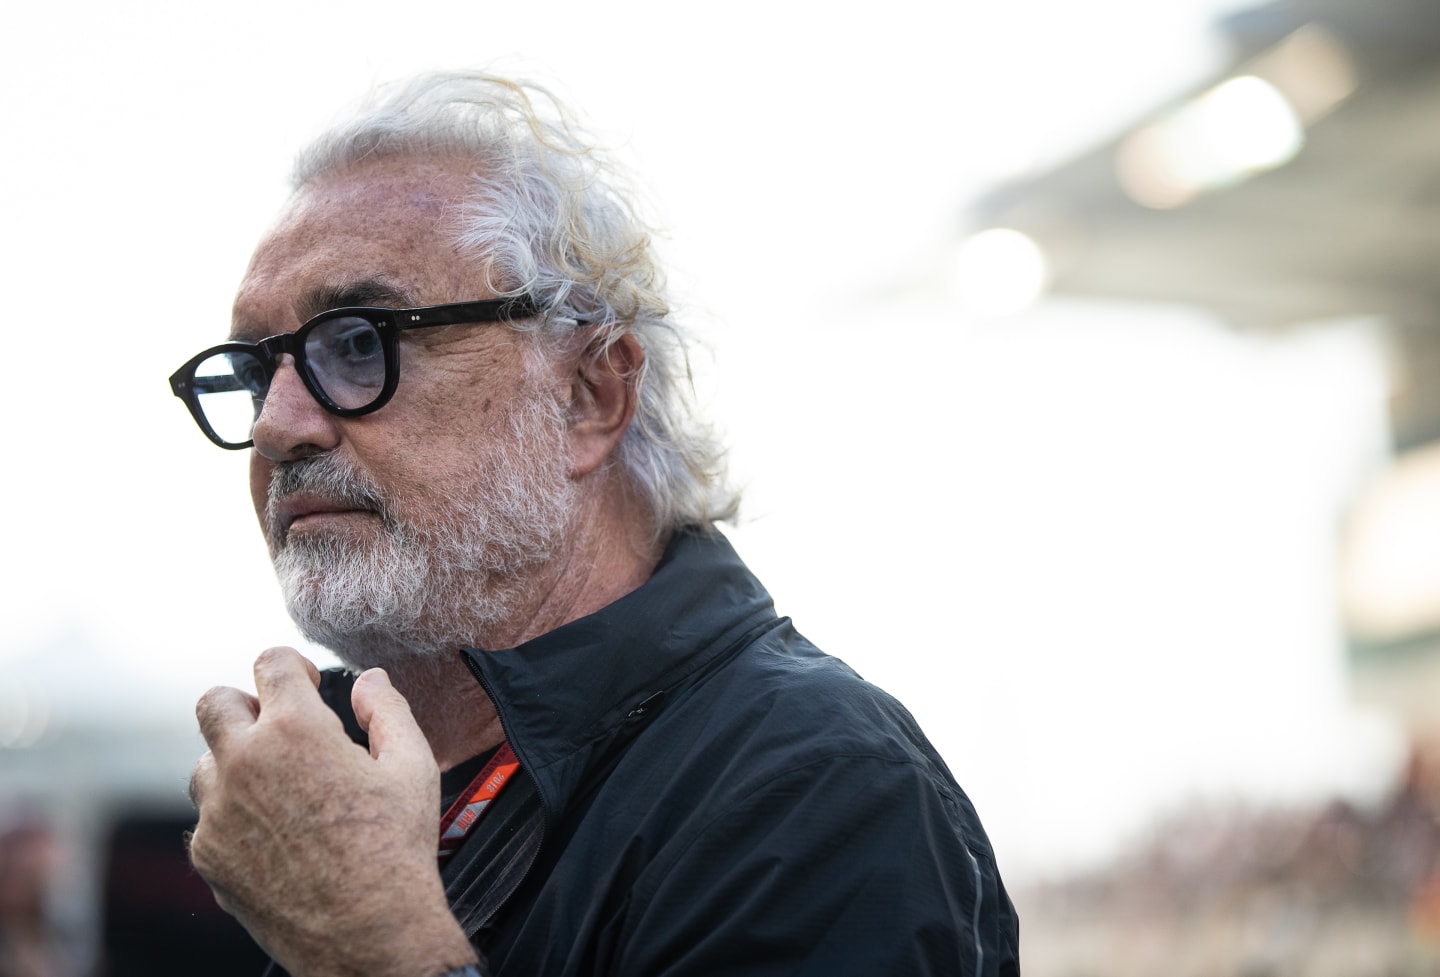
{"x": 224, "y": 710}
{"x": 385, "y": 715}
{"x": 284, "y": 675}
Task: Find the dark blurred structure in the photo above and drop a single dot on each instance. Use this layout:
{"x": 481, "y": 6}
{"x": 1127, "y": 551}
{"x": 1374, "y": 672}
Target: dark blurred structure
{"x": 159, "y": 918}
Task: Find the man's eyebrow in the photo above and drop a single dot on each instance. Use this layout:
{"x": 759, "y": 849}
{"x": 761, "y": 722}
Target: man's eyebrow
{"x": 362, "y": 293}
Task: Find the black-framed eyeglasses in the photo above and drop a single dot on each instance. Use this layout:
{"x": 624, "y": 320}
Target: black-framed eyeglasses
{"x": 347, "y": 358}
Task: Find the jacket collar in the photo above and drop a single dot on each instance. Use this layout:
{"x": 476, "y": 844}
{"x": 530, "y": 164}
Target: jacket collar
{"x": 570, "y": 696}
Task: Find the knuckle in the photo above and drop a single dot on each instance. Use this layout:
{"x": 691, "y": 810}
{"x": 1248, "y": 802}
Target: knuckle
{"x": 204, "y": 771}
{"x": 208, "y": 702}
{"x": 199, "y": 853}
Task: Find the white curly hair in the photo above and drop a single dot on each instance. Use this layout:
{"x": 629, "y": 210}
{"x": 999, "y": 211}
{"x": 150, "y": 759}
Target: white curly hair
{"x": 548, "y": 216}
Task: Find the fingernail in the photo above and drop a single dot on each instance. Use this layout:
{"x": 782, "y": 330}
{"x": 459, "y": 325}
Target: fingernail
{"x": 374, "y": 675}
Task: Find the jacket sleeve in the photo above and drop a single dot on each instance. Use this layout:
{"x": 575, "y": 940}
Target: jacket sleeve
{"x": 847, "y": 865}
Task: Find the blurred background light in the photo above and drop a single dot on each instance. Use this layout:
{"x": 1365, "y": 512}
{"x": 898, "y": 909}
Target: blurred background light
{"x": 998, "y": 272}
{"x": 1240, "y": 127}
{"x": 1393, "y": 550}
{"x": 24, "y": 716}
{"x": 1247, "y": 125}
{"x": 1253, "y": 122}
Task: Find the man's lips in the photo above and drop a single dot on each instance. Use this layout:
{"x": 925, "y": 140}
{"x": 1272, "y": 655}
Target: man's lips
{"x": 300, "y": 506}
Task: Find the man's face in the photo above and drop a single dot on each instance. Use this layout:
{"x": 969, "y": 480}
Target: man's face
{"x": 422, "y": 527}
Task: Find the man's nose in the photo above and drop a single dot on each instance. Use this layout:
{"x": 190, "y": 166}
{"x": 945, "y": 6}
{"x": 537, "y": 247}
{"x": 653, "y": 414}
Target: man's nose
{"x": 292, "y": 424}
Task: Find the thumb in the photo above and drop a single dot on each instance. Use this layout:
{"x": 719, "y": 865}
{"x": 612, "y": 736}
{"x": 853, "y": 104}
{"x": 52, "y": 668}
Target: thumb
{"x": 385, "y": 715}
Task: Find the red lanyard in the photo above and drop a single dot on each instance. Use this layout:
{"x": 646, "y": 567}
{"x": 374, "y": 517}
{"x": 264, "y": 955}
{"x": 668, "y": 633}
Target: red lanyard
{"x": 473, "y": 800}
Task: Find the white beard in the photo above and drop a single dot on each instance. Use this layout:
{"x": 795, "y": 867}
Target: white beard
{"x": 424, "y": 588}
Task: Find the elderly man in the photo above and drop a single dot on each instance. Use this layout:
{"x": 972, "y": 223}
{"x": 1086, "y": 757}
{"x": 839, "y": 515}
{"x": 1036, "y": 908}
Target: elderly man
{"x": 481, "y": 485}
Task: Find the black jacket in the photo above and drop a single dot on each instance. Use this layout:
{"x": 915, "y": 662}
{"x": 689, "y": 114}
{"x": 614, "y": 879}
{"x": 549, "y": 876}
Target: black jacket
{"x": 709, "y": 794}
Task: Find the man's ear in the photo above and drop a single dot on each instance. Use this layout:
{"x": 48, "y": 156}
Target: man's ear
{"x": 605, "y": 391}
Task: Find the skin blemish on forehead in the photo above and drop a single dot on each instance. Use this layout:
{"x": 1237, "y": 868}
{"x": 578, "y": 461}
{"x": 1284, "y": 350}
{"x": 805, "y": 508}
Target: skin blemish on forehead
{"x": 428, "y": 201}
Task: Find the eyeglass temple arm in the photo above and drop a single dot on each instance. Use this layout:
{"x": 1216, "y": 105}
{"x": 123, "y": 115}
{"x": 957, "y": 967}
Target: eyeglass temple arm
{"x": 491, "y": 310}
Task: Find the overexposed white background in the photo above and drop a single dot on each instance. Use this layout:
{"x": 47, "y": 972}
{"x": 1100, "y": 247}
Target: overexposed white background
{"x": 1090, "y": 546}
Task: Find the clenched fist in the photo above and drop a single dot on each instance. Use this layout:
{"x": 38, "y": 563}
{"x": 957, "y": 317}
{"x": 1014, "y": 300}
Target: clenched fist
{"x": 324, "y": 851}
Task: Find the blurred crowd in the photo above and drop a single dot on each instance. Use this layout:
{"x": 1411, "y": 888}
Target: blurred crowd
{"x": 1338, "y": 891}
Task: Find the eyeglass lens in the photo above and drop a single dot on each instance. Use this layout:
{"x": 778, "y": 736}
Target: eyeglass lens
{"x": 347, "y": 360}
{"x": 230, "y": 388}
{"x": 344, "y": 357}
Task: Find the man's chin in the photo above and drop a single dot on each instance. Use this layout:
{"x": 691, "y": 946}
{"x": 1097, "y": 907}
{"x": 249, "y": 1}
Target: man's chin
{"x": 356, "y": 634}
{"x": 337, "y": 592}
{"x": 378, "y": 646}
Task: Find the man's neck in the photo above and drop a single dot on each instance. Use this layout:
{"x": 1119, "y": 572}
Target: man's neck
{"x": 451, "y": 708}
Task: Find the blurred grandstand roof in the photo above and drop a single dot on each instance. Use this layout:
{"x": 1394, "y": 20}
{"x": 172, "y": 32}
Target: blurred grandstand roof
{"x": 1300, "y": 183}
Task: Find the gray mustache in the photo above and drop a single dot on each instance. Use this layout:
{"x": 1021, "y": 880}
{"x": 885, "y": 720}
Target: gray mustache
{"x": 321, "y": 475}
